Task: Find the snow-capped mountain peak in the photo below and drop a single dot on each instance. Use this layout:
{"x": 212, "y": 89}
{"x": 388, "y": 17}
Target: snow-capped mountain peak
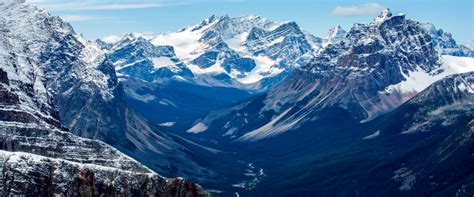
{"x": 135, "y": 56}
{"x": 335, "y": 31}
{"x": 127, "y": 39}
{"x": 336, "y": 34}
{"x": 384, "y": 15}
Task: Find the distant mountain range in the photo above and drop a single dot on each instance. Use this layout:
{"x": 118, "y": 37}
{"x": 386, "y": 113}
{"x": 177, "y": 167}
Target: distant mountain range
{"x": 247, "y": 52}
{"x": 179, "y": 74}
{"x": 230, "y": 57}
{"x": 244, "y": 52}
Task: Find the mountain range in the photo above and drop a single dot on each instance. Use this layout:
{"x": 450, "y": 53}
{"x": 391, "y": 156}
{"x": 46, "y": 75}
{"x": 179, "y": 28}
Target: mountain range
{"x": 373, "y": 70}
{"x": 232, "y": 57}
{"x": 241, "y": 52}
{"x": 242, "y": 106}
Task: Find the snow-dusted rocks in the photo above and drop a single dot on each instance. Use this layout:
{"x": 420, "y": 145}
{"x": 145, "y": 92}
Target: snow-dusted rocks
{"x": 451, "y": 90}
{"x": 26, "y": 174}
{"x": 336, "y": 35}
{"x": 471, "y": 44}
{"x": 445, "y": 43}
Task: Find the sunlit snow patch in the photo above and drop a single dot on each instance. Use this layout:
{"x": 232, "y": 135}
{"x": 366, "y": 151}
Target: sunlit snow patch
{"x": 198, "y": 128}
{"x": 418, "y": 80}
{"x": 372, "y": 136}
{"x": 161, "y": 62}
{"x": 167, "y": 124}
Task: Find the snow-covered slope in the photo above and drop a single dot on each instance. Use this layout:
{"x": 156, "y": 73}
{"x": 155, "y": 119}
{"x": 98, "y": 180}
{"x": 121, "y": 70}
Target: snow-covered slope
{"x": 247, "y": 52}
{"x": 373, "y": 70}
{"x": 418, "y": 80}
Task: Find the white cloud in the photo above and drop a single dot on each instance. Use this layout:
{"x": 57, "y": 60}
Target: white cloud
{"x": 369, "y": 9}
{"x": 111, "y": 39}
{"x": 76, "y": 18}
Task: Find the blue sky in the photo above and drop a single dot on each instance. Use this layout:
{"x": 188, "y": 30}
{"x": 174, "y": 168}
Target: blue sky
{"x": 96, "y": 19}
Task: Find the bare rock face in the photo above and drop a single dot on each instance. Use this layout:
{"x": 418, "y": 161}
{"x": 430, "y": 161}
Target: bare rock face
{"x": 25, "y": 173}
{"x": 38, "y": 154}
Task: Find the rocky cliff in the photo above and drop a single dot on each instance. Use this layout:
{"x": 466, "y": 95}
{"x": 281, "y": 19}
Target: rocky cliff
{"x": 42, "y": 63}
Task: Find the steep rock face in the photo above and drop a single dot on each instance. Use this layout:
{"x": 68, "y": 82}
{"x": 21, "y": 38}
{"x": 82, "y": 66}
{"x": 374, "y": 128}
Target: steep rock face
{"x": 47, "y": 68}
{"x": 287, "y": 42}
{"x": 373, "y": 70}
{"x": 73, "y": 70}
